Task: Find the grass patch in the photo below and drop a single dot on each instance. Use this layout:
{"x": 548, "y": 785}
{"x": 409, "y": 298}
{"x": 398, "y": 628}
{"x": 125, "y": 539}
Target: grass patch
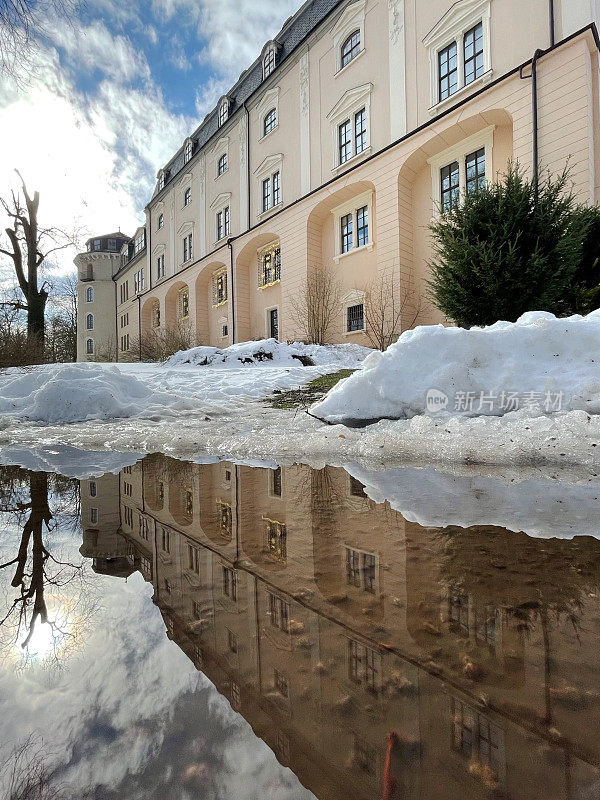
{"x": 305, "y": 395}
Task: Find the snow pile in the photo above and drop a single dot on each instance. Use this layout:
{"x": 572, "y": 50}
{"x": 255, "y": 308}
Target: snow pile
{"x": 541, "y": 507}
{"x": 271, "y": 352}
{"x": 79, "y": 392}
{"x": 539, "y": 361}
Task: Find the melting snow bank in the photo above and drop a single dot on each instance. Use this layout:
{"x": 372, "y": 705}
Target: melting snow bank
{"x": 541, "y": 361}
{"x": 270, "y": 351}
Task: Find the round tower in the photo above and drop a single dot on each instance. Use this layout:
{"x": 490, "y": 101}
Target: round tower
{"x": 96, "y": 309}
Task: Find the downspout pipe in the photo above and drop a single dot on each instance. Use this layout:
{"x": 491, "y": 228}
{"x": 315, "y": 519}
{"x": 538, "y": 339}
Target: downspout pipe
{"x": 116, "y": 325}
{"x": 139, "y": 299}
{"x": 534, "y": 118}
{"x": 247, "y": 163}
{"x": 552, "y": 27}
{"x": 232, "y": 281}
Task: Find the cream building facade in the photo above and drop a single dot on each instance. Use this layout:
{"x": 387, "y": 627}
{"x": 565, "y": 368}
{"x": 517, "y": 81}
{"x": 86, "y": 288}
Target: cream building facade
{"x": 358, "y": 123}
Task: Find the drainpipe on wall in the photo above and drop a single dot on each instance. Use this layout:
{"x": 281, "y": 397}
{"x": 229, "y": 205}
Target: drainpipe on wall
{"x": 139, "y": 299}
{"x": 534, "y": 116}
{"x": 116, "y": 325}
{"x": 247, "y": 160}
{"x": 551, "y": 14}
{"x": 230, "y": 246}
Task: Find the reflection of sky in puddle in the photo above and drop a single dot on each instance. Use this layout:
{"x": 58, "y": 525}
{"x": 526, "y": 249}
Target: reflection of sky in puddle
{"x": 377, "y": 624}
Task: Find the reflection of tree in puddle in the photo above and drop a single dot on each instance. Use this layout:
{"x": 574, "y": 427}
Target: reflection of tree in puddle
{"x": 26, "y": 499}
{"x": 535, "y": 582}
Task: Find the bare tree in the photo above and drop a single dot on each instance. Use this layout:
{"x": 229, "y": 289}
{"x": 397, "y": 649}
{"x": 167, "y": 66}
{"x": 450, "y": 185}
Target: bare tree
{"x": 386, "y": 305}
{"x": 26, "y": 774}
{"x": 61, "y": 335}
{"x": 30, "y": 246}
{"x": 317, "y": 303}
{"x": 21, "y": 23}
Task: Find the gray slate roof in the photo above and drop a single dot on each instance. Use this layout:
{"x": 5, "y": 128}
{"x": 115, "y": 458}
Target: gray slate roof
{"x": 293, "y": 33}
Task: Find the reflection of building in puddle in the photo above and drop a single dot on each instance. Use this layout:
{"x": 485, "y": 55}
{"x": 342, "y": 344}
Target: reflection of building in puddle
{"x": 330, "y": 622}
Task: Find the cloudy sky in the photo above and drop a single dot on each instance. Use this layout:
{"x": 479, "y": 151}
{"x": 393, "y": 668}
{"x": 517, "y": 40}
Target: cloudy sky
{"x": 113, "y": 97}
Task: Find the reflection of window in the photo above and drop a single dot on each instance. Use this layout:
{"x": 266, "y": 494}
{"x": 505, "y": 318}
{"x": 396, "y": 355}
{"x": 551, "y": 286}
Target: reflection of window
{"x": 282, "y": 747}
{"x": 475, "y": 737}
{"x": 275, "y": 475}
{"x": 357, "y": 489}
{"x": 230, "y": 583}
{"x": 363, "y": 756}
{"x": 167, "y": 585}
{"x": 160, "y": 491}
{"x": 189, "y": 502}
{"x": 198, "y": 656}
{"x": 361, "y": 569}
{"x": 94, "y": 516}
{"x": 280, "y": 683}
{"x": 144, "y": 528}
{"x": 236, "y": 696}
{"x": 93, "y": 489}
{"x": 193, "y": 559}
{"x": 224, "y": 517}
{"x": 277, "y": 539}
{"x": 232, "y": 641}
{"x": 458, "y": 607}
{"x": 364, "y": 665}
{"x": 279, "y": 612}
{"x": 196, "y": 610}
{"x": 146, "y": 567}
{"x": 166, "y": 540}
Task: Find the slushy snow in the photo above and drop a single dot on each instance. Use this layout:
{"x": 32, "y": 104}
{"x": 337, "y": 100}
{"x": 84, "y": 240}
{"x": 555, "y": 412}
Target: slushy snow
{"x": 539, "y": 360}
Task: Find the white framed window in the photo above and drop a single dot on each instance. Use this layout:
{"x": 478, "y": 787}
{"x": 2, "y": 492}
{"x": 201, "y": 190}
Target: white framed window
{"x": 139, "y": 242}
{"x": 187, "y": 247}
{"x": 268, "y": 175}
{"x": 187, "y": 196}
{"x": 160, "y": 266}
{"x": 89, "y": 322}
{"x": 161, "y": 221}
{"x": 125, "y": 343}
{"x": 223, "y": 111}
{"x": 139, "y": 281}
{"x": 97, "y": 244}
{"x": 350, "y": 125}
{"x": 461, "y": 169}
{"x": 189, "y": 149}
{"x": 270, "y": 121}
{"x": 459, "y": 51}
{"x": 223, "y": 224}
{"x": 89, "y": 347}
{"x": 350, "y": 48}
{"x": 269, "y": 61}
{"x": 222, "y": 164}
{"x": 353, "y": 225}
{"x": 161, "y": 180}
{"x": 89, "y": 294}
{"x": 349, "y": 35}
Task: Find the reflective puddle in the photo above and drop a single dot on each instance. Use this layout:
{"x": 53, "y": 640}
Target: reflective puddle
{"x": 177, "y": 630}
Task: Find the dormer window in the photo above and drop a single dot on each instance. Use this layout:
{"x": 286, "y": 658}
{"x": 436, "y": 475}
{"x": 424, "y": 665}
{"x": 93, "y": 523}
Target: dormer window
{"x": 269, "y": 62}
{"x": 187, "y": 154}
{"x": 223, "y": 111}
{"x": 161, "y": 181}
{"x": 350, "y": 48}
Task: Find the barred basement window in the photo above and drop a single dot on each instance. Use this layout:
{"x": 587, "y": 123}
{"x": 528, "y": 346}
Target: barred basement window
{"x": 156, "y": 315}
{"x": 224, "y": 517}
{"x": 269, "y": 265}
{"x": 224, "y": 331}
{"x": 219, "y": 288}
{"x": 350, "y": 48}
{"x": 356, "y": 318}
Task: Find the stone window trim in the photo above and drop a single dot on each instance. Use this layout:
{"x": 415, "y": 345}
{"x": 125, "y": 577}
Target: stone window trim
{"x": 354, "y": 297}
{"x": 483, "y": 139}
{"x": 184, "y": 231}
{"x": 268, "y": 102}
{"x": 457, "y": 21}
{"x": 270, "y": 166}
{"x": 218, "y": 206}
{"x": 353, "y": 101}
{"x": 351, "y": 207}
{"x": 350, "y": 20}
{"x": 89, "y": 347}
{"x": 269, "y": 58}
{"x": 89, "y": 294}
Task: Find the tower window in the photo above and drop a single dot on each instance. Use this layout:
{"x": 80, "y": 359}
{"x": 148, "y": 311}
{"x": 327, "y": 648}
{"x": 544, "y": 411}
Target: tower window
{"x": 89, "y": 322}
{"x": 89, "y": 294}
{"x": 89, "y": 347}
